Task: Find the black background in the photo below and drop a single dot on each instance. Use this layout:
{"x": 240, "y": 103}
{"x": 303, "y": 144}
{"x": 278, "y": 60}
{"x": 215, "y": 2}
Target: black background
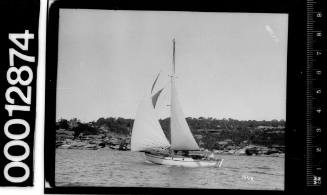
{"x": 296, "y": 74}
{"x": 16, "y": 16}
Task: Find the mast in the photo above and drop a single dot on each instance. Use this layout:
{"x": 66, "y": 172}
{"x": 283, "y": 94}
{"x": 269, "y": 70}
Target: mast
{"x": 174, "y": 57}
{"x": 171, "y": 88}
{"x": 181, "y": 137}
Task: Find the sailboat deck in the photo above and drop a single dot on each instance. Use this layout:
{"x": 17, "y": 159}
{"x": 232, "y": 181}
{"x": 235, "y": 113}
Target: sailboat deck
{"x": 182, "y": 161}
{"x": 176, "y": 157}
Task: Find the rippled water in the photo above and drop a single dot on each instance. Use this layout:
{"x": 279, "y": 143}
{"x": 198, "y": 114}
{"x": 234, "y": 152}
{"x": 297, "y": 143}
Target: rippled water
{"x": 107, "y": 168}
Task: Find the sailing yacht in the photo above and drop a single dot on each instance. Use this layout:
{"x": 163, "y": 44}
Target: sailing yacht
{"x": 148, "y": 136}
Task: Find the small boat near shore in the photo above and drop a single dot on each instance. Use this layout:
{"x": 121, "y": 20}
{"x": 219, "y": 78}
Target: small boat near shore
{"x": 148, "y": 136}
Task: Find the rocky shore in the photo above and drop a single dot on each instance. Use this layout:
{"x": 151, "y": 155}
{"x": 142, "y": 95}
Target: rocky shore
{"x": 66, "y": 140}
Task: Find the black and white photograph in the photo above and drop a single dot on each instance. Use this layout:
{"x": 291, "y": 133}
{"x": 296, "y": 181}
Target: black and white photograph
{"x": 160, "y": 97}
{"x": 171, "y": 99}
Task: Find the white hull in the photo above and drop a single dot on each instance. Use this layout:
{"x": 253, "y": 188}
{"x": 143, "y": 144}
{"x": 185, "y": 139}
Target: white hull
{"x": 182, "y": 161}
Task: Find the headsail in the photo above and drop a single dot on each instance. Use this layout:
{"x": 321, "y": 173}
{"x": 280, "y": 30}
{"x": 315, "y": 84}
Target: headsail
{"x": 155, "y": 81}
{"x": 155, "y": 97}
{"x": 147, "y": 133}
{"x": 157, "y": 94}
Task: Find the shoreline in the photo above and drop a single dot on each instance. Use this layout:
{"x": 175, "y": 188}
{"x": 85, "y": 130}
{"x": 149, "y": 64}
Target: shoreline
{"x": 68, "y": 139}
{"x": 278, "y": 155}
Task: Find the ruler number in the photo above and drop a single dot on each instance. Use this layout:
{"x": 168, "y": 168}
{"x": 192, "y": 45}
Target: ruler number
{"x": 316, "y": 180}
{"x": 26, "y": 37}
{"x": 318, "y": 149}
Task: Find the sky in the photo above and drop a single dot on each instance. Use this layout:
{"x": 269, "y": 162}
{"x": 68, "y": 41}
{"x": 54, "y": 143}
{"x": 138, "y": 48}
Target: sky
{"x": 229, "y": 65}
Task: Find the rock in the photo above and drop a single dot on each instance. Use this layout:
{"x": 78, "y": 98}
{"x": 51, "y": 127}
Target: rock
{"x": 251, "y": 151}
{"x": 240, "y": 151}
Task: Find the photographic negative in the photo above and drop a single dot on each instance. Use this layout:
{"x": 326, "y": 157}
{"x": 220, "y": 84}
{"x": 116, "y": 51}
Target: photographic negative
{"x": 171, "y": 99}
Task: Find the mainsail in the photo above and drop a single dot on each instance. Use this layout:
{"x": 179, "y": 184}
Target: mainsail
{"x": 181, "y": 136}
{"x": 147, "y": 133}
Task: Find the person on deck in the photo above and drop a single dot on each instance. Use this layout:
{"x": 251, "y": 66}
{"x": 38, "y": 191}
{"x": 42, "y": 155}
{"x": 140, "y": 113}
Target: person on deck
{"x": 185, "y": 153}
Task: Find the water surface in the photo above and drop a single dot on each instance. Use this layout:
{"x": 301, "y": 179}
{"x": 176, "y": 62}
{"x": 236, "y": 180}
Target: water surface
{"x": 110, "y": 168}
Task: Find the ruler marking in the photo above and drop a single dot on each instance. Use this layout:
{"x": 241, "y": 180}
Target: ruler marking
{"x": 312, "y": 30}
{"x": 309, "y": 53}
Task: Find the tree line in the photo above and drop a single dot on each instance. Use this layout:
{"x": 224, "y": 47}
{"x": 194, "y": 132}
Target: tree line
{"x": 236, "y": 130}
